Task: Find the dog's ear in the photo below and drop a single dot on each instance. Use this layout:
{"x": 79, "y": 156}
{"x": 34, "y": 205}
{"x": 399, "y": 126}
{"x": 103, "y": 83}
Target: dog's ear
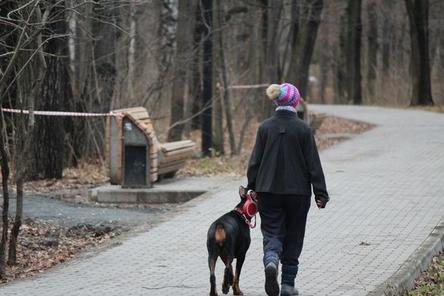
{"x": 242, "y": 191}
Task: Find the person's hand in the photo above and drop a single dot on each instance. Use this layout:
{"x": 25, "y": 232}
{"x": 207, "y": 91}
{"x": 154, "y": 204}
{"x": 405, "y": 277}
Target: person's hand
{"x": 321, "y": 201}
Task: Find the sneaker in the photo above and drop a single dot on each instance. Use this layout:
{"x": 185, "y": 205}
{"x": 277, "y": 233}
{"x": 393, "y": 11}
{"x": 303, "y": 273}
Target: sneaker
{"x": 271, "y": 282}
{"x": 287, "y": 290}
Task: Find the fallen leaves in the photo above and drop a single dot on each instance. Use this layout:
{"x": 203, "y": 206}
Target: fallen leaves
{"x": 43, "y": 245}
{"x": 86, "y": 175}
{"x": 431, "y": 281}
{"x": 237, "y": 165}
{"x": 337, "y": 125}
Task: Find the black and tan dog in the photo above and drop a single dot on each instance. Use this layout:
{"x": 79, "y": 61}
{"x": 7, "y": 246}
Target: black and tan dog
{"x": 229, "y": 238}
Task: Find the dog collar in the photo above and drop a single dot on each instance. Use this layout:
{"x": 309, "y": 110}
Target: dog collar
{"x": 248, "y": 222}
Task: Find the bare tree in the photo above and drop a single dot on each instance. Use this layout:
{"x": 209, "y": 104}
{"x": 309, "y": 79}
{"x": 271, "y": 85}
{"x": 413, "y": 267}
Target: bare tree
{"x": 207, "y": 131}
{"x": 195, "y": 79}
{"x": 387, "y": 30}
{"x": 271, "y": 12}
{"x": 132, "y": 50}
{"x": 218, "y": 122}
{"x": 326, "y": 56}
{"x": 372, "y": 51}
{"x": 49, "y": 137}
{"x": 341, "y": 53}
{"x": 181, "y": 62}
{"x": 354, "y": 51}
{"x": 4, "y": 157}
{"x": 28, "y": 85}
{"x": 418, "y": 13}
{"x": 306, "y": 17}
{"x": 11, "y": 48}
{"x": 225, "y": 95}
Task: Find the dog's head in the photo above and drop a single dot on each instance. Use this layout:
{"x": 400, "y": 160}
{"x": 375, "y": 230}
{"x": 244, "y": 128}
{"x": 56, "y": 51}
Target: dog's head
{"x": 243, "y": 197}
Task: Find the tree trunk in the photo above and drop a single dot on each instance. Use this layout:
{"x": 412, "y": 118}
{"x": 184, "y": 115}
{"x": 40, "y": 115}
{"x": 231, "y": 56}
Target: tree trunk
{"x": 12, "y": 250}
{"x": 387, "y": 27}
{"x": 19, "y": 155}
{"x": 271, "y": 11}
{"x": 259, "y": 60}
{"x": 418, "y": 13}
{"x": 96, "y": 78}
{"x": 181, "y": 63}
{"x": 372, "y": 52}
{"x": 49, "y": 135}
{"x": 29, "y": 84}
{"x": 218, "y": 118}
{"x": 327, "y": 56}
{"x": 324, "y": 64}
{"x": 310, "y": 35}
{"x": 7, "y": 68}
{"x": 195, "y": 85}
{"x": 132, "y": 52}
{"x": 441, "y": 51}
{"x": 302, "y": 51}
{"x": 272, "y": 54}
{"x": 218, "y": 123}
{"x": 4, "y": 158}
{"x": 73, "y": 21}
{"x": 354, "y": 53}
{"x": 341, "y": 64}
{"x": 227, "y": 104}
{"x": 207, "y": 141}
{"x": 21, "y": 160}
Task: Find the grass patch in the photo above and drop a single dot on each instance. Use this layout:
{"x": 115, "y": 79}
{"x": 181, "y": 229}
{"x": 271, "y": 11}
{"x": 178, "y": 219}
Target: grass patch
{"x": 431, "y": 282}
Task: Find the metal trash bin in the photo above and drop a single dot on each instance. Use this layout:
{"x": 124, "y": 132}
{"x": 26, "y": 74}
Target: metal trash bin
{"x": 136, "y": 163}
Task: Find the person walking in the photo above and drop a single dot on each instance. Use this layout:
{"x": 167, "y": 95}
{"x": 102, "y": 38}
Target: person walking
{"x": 283, "y": 167}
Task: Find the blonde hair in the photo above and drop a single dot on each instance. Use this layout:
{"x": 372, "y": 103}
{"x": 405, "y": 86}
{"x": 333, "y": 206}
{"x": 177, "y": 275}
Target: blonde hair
{"x": 273, "y": 91}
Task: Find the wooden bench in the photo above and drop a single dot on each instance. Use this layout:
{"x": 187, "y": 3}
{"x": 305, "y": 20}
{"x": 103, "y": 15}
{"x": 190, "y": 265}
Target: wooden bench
{"x": 173, "y": 155}
{"x": 165, "y": 159}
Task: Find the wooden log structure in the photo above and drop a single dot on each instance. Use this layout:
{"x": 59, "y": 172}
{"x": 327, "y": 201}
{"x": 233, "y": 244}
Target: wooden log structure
{"x": 165, "y": 159}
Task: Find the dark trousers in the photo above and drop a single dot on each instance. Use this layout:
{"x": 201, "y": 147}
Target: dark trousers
{"x": 283, "y": 219}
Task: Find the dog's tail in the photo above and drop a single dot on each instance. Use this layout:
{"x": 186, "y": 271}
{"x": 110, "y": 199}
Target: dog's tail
{"x": 219, "y": 234}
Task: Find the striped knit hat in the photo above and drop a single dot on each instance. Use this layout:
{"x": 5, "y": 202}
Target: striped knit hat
{"x": 285, "y": 94}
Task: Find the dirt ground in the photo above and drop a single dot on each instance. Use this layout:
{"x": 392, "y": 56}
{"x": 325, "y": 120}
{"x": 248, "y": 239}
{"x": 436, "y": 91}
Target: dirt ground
{"x": 236, "y": 165}
{"x": 43, "y": 245}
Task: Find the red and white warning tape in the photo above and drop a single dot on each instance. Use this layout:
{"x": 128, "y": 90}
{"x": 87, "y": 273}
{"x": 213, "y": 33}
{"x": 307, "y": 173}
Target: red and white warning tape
{"x": 62, "y": 113}
{"x": 248, "y": 86}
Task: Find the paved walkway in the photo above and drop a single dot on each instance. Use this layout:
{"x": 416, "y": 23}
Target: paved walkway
{"x": 387, "y": 195}
{"x": 70, "y": 214}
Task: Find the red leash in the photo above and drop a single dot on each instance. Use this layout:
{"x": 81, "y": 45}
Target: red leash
{"x": 249, "y": 208}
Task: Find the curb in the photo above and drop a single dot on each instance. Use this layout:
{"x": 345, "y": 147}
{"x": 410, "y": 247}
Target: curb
{"x": 404, "y": 278}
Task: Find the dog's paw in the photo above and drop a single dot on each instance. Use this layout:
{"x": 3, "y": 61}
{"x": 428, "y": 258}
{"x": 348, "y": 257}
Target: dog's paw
{"x": 225, "y": 288}
{"x": 213, "y": 294}
{"x": 237, "y": 290}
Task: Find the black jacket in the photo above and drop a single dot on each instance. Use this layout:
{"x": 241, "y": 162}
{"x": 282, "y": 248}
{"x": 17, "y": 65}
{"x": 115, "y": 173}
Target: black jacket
{"x": 285, "y": 159}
